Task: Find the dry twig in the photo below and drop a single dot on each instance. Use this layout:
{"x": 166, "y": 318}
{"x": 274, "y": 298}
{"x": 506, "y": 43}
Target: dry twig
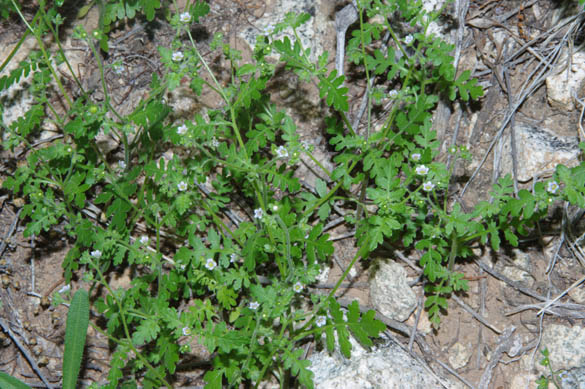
{"x": 504, "y": 345}
{"x": 9, "y": 232}
{"x": 475, "y": 315}
{"x": 25, "y": 352}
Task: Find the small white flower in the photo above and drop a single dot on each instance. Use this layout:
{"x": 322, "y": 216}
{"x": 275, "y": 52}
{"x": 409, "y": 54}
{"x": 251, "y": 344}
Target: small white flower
{"x": 214, "y": 142}
{"x": 408, "y": 39}
{"x": 177, "y": 56}
{"x": 320, "y": 321}
{"x": 65, "y": 289}
{"x": 275, "y": 208}
{"x": 268, "y": 29}
{"x": 210, "y": 264}
{"x": 186, "y": 331}
{"x": 233, "y": 257}
{"x": 182, "y": 186}
{"x": 393, "y": 93}
{"x": 182, "y": 267}
{"x": 552, "y": 187}
{"x": 421, "y": 170}
{"x": 254, "y": 305}
{"x": 182, "y": 130}
{"x": 428, "y": 186}
{"x": 415, "y": 157}
{"x": 122, "y": 164}
{"x": 96, "y": 254}
{"x": 305, "y": 145}
{"x": 118, "y": 69}
{"x": 258, "y": 213}
{"x": 298, "y": 287}
{"x": 185, "y": 17}
{"x": 281, "y": 152}
{"x": 143, "y": 240}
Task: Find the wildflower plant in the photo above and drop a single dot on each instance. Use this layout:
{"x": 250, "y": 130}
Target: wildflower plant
{"x": 243, "y": 280}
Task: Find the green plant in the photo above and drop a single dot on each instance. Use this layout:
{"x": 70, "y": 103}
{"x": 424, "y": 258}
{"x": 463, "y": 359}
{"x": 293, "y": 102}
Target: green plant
{"x": 240, "y": 286}
{"x": 75, "y": 334}
{"x": 543, "y": 382}
{"x": 5, "y": 9}
{"x": 10, "y": 382}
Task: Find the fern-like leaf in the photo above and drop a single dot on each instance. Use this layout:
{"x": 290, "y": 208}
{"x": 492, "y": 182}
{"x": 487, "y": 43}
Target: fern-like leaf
{"x": 361, "y": 327}
{"x": 332, "y": 87}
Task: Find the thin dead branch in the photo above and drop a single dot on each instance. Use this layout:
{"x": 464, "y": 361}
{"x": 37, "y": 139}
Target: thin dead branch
{"x": 25, "y": 352}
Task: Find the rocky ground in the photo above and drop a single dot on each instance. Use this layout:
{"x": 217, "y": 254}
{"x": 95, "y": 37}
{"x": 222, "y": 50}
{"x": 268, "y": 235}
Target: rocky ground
{"x": 527, "y": 57}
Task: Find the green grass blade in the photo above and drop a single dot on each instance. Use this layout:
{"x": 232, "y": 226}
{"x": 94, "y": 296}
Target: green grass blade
{"x": 9, "y": 382}
{"x": 75, "y": 333}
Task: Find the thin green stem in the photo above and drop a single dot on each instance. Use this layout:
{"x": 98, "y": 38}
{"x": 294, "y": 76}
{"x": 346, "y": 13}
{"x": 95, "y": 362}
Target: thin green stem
{"x": 365, "y": 181}
{"x": 20, "y": 42}
{"x": 223, "y": 96}
{"x": 47, "y": 60}
{"x": 332, "y": 191}
{"x": 56, "y": 36}
{"x": 288, "y": 247}
{"x": 103, "y": 80}
{"x": 454, "y": 249}
{"x": 274, "y": 351}
{"x": 220, "y": 223}
{"x": 252, "y": 342}
{"x": 125, "y": 325}
{"x": 343, "y": 277}
{"x": 318, "y": 163}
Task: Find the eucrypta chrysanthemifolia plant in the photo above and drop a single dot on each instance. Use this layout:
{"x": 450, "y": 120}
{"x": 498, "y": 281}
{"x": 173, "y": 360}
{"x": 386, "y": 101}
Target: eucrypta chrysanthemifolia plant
{"x": 242, "y": 287}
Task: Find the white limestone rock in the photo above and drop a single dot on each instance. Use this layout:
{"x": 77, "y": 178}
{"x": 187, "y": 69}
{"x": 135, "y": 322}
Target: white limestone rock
{"x": 520, "y": 268}
{"x": 459, "y": 355}
{"x": 386, "y": 366}
{"x": 312, "y": 34}
{"x": 577, "y": 294}
{"x": 561, "y": 86}
{"x": 524, "y": 380}
{"x": 538, "y": 150}
{"x": 566, "y": 346}
{"x": 390, "y": 293}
